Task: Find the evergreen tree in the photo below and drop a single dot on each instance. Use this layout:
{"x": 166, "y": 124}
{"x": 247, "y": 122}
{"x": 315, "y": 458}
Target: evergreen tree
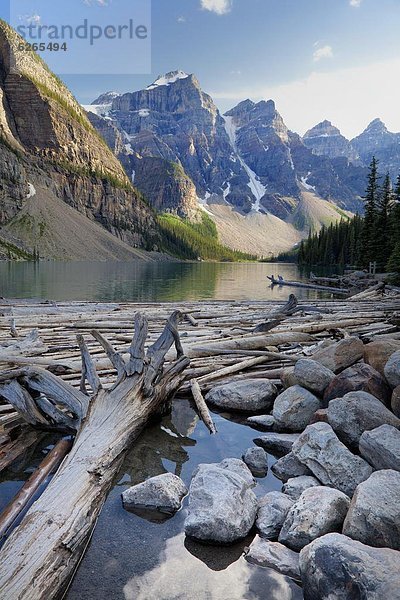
{"x": 383, "y": 224}
{"x": 369, "y": 240}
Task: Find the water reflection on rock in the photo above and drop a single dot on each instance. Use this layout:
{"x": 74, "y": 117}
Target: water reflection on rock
{"x": 179, "y": 576}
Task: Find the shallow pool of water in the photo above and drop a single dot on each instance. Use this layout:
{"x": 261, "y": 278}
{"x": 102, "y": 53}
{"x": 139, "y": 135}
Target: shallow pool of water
{"x": 132, "y": 558}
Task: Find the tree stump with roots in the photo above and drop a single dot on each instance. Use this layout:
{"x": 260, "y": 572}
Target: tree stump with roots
{"x": 41, "y": 555}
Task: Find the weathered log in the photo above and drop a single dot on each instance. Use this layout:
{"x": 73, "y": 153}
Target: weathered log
{"x": 31, "y": 486}
{"x": 41, "y": 555}
{"x": 202, "y": 406}
{"x": 310, "y": 286}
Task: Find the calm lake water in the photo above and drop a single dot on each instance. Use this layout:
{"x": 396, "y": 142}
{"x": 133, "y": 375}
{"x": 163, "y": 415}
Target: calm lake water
{"x": 142, "y": 282}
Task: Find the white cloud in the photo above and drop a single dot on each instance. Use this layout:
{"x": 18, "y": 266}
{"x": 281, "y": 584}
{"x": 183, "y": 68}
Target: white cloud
{"x": 322, "y": 52}
{"x": 97, "y": 2}
{"x": 31, "y": 19}
{"x": 236, "y": 72}
{"x": 350, "y": 98}
{"x": 355, "y": 3}
{"x": 221, "y": 7}
{"x": 181, "y": 19}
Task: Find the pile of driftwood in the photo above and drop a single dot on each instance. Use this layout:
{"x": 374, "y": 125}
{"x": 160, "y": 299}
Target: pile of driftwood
{"x": 95, "y": 373}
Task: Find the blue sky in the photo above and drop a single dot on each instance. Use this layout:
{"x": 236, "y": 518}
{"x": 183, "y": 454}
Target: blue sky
{"x": 335, "y": 59}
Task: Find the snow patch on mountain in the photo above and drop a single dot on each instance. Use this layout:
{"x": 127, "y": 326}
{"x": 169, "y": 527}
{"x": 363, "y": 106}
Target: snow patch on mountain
{"x": 257, "y": 188}
{"x": 304, "y": 181}
{"x": 101, "y": 110}
{"x": 31, "y": 191}
{"x": 167, "y": 79}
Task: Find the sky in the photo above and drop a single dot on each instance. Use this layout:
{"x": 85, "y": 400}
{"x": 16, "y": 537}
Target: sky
{"x": 317, "y": 59}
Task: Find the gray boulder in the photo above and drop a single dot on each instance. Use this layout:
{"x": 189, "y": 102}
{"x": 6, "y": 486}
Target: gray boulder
{"x": 277, "y": 444}
{"x": 331, "y": 462}
{"x": 392, "y": 369}
{"x": 288, "y": 378}
{"x": 265, "y": 553}
{"x": 318, "y": 511}
{"x": 222, "y": 505}
{"x": 374, "y": 514}
{"x": 340, "y": 355}
{"x": 313, "y": 375}
{"x": 334, "y": 567}
{"x": 249, "y": 395}
{"x": 355, "y": 413}
{"x": 288, "y": 467}
{"x": 262, "y": 422}
{"x": 294, "y": 408}
{"x": 163, "y": 493}
{"x": 257, "y": 461}
{"x": 359, "y": 377}
{"x": 272, "y": 511}
{"x": 297, "y": 485}
{"x": 381, "y": 447}
{"x": 395, "y": 402}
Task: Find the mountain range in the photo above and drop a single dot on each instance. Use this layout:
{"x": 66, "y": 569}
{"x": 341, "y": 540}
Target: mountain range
{"x": 254, "y": 176}
{"x": 88, "y": 182}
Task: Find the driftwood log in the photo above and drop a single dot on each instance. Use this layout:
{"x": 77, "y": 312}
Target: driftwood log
{"x": 41, "y": 555}
{"x": 311, "y": 286}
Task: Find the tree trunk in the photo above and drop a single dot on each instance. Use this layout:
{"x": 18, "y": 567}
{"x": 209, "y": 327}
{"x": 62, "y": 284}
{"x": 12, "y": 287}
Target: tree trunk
{"x": 42, "y": 554}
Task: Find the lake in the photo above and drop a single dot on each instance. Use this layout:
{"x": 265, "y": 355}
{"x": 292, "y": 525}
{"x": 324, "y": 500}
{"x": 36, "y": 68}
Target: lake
{"x": 147, "y": 282}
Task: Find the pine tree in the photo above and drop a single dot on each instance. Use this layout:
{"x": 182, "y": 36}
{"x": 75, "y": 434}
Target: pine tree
{"x": 383, "y": 225}
{"x": 369, "y": 240}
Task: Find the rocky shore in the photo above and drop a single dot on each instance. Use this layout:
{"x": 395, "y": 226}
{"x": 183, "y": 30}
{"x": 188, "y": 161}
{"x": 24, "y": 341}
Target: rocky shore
{"x": 320, "y": 387}
{"x": 333, "y": 421}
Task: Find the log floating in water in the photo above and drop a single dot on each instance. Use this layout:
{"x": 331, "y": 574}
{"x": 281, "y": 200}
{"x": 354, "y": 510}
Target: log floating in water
{"x": 31, "y": 486}
{"x": 202, "y": 406}
{"x": 310, "y": 286}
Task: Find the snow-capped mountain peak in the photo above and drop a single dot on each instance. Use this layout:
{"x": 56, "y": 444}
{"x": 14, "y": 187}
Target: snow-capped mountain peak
{"x": 168, "y": 78}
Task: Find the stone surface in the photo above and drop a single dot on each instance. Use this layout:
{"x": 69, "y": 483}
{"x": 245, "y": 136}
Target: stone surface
{"x": 257, "y": 461}
{"x": 222, "y": 505}
{"x": 355, "y": 413}
{"x": 295, "y": 486}
{"x": 265, "y": 553}
{"x": 288, "y": 467}
{"x": 377, "y": 353}
{"x": 294, "y": 408}
{"x": 277, "y": 444}
{"x": 313, "y": 375}
{"x": 392, "y": 369}
{"x": 249, "y": 395}
{"x": 340, "y": 355}
{"x": 318, "y": 511}
{"x": 163, "y": 492}
{"x": 261, "y": 422}
{"x": 272, "y": 511}
{"x": 395, "y": 402}
{"x": 288, "y": 377}
{"x": 320, "y": 416}
{"x": 359, "y": 377}
{"x": 334, "y": 567}
{"x": 374, "y": 514}
{"x": 331, "y": 462}
{"x": 381, "y": 447}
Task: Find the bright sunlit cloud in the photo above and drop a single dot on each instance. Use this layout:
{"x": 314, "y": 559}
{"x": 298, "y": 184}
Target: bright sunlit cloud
{"x": 322, "y": 52}
{"x": 350, "y": 98}
{"x": 220, "y": 7}
{"x": 355, "y": 3}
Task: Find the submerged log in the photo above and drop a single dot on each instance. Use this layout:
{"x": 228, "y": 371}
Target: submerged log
{"x": 31, "y": 486}
{"x": 41, "y": 555}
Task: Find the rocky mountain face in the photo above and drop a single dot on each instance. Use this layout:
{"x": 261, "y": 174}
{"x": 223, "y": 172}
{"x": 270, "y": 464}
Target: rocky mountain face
{"x": 247, "y": 158}
{"x": 377, "y": 141}
{"x": 48, "y": 147}
{"x": 326, "y": 140}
